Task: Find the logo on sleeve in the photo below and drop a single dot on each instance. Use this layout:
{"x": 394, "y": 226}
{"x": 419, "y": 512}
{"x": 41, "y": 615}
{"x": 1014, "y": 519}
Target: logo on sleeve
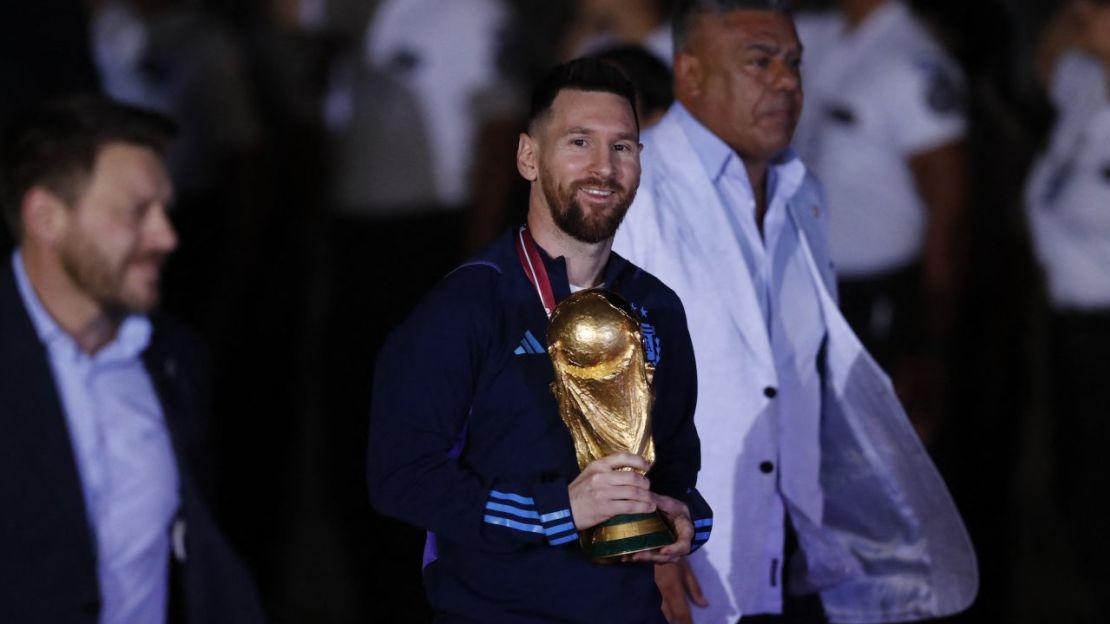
{"x": 529, "y": 345}
{"x": 651, "y": 344}
{"x": 651, "y": 339}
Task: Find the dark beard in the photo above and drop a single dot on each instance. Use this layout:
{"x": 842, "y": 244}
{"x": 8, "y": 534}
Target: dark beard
{"x": 572, "y": 219}
{"x": 94, "y": 275}
{"x": 91, "y": 272}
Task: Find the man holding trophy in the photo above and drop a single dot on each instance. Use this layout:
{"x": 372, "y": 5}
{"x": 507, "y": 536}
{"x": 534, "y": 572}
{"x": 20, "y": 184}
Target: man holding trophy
{"x": 545, "y": 439}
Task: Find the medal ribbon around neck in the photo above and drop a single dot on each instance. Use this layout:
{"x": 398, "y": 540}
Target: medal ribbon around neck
{"x": 534, "y": 269}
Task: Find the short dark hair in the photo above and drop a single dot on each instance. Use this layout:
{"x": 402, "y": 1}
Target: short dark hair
{"x": 55, "y": 145}
{"x": 686, "y": 11}
{"x": 651, "y": 76}
{"x": 581, "y": 74}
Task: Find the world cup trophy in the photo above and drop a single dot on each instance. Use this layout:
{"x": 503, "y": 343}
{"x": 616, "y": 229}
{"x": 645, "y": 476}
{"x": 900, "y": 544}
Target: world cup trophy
{"x": 603, "y": 385}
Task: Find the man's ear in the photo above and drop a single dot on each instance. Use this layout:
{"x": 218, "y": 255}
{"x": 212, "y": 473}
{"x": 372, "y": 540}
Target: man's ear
{"x": 688, "y": 77}
{"x": 526, "y": 157}
{"x": 44, "y": 215}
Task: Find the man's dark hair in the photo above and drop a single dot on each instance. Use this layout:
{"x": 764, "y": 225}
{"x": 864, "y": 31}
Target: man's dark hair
{"x": 55, "y": 146}
{"x": 686, "y": 11}
{"x": 581, "y": 74}
{"x": 651, "y": 76}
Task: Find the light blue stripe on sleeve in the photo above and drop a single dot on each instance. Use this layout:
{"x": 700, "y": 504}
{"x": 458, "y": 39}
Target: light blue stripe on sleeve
{"x": 555, "y": 530}
{"x": 516, "y": 498}
{"x": 563, "y": 540}
{"x": 558, "y": 515}
{"x": 701, "y": 537}
{"x": 698, "y": 524}
{"x": 513, "y": 524}
{"x": 509, "y": 509}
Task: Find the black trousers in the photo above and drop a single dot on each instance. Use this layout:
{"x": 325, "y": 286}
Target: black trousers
{"x": 795, "y": 610}
{"x": 1080, "y": 396}
{"x": 885, "y": 312}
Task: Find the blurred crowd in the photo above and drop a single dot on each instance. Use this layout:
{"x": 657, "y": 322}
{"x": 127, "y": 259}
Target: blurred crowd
{"x": 337, "y": 157}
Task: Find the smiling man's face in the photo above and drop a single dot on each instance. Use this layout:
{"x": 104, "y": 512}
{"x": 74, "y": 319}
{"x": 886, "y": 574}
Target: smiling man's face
{"x": 589, "y": 162}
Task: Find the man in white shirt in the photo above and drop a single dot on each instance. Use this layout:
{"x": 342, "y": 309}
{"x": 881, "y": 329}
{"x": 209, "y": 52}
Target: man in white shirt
{"x": 1068, "y": 204}
{"x": 828, "y": 505}
{"x": 104, "y": 474}
{"x": 445, "y": 55}
{"x": 883, "y": 131}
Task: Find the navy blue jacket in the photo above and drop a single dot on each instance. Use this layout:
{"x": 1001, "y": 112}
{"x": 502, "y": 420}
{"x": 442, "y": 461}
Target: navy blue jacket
{"x": 466, "y": 441}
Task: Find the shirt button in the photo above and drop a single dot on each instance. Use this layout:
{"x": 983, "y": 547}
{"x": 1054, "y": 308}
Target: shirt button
{"x": 770, "y": 392}
{"x": 766, "y": 467}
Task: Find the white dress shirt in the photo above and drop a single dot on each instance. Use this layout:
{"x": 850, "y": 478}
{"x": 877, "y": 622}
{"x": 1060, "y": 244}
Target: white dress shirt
{"x": 445, "y": 53}
{"x": 788, "y": 437}
{"x": 1068, "y": 192}
{"x": 875, "y": 97}
{"x": 882, "y": 540}
{"x": 124, "y": 458}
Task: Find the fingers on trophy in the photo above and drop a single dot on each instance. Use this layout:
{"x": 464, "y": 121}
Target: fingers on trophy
{"x": 603, "y": 385}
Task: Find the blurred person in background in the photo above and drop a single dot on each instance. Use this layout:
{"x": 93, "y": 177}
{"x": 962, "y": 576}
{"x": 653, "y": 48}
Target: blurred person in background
{"x": 883, "y": 129}
{"x": 405, "y": 98}
{"x": 169, "y": 56}
{"x": 651, "y": 77}
{"x": 828, "y": 507}
{"x": 443, "y": 53}
{"x": 403, "y": 119}
{"x": 600, "y": 24}
{"x": 1068, "y": 204}
{"x": 104, "y": 402}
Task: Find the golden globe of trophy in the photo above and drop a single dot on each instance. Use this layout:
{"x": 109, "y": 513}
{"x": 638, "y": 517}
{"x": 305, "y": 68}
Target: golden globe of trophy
{"x": 603, "y": 384}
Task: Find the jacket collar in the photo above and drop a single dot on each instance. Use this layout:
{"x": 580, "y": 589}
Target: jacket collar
{"x": 131, "y": 339}
{"x": 557, "y": 272}
{"x": 31, "y": 408}
{"x": 704, "y": 221}
{"x": 785, "y": 174}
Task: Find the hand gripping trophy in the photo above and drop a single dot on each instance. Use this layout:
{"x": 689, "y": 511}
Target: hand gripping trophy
{"x": 603, "y": 384}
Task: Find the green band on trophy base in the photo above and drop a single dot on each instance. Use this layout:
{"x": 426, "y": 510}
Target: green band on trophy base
{"x": 627, "y": 534}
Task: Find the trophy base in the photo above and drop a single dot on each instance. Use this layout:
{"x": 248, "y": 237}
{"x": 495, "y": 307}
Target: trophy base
{"x": 626, "y": 534}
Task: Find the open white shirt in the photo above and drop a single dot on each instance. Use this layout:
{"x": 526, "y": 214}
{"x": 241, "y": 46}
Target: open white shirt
{"x": 124, "y": 458}
{"x": 791, "y": 311}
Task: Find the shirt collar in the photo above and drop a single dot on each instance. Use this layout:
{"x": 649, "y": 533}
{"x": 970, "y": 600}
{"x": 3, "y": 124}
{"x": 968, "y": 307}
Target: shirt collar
{"x": 713, "y": 153}
{"x": 786, "y": 172}
{"x": 132, "y": 338}
{"x": 46, "y": 327}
